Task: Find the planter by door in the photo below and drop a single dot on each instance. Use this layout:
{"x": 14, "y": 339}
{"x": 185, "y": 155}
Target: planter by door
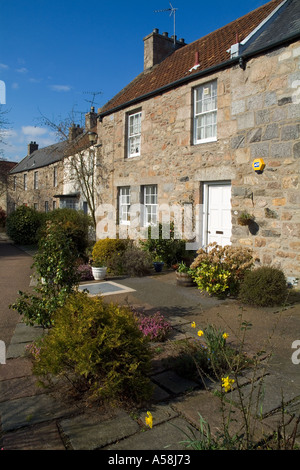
{"x": 99, "y": 273}
{"x": 158, "y": 266}
{"x": 184, "y": 280}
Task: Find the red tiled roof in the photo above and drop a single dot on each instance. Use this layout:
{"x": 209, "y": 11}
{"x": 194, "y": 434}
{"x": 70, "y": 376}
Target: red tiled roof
{"x": 212, "y": 51}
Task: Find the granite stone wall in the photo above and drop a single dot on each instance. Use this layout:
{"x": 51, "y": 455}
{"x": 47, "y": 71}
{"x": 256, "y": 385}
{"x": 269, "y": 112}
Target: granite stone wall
{"x": 258, "y": 117}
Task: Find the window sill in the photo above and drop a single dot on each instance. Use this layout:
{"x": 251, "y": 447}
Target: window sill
{"x": 205, "y": 141}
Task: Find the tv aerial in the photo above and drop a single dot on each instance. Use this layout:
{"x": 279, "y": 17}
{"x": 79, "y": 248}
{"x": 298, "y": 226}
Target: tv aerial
{"x": 173, "y": 12}
{"x": 93, "y": 93}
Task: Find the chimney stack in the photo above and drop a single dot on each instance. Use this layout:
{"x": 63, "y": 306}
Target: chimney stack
{"x": 74, "y": 132}
{"x": 90, "y": 119}
{"x": 32, "y": 147}
{"x": 158, "y": 47}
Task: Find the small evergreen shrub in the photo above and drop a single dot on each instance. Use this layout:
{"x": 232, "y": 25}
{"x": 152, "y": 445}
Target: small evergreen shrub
{"x": 23, "y": 224}
{"x": 166, "y": 247}
{"x": 2, "y": 217}
{"x": 56, "y": 269}
{"x": 98, "y": 343}
{"x": 76, "y": 225}
{"x": 106, "y": 250}
{"x": 265, "y": 286}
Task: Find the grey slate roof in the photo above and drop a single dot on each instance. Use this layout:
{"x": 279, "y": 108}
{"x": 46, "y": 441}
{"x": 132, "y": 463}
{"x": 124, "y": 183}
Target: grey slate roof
{"x": 285, "y": 25}
{"x": 42, "y": 157}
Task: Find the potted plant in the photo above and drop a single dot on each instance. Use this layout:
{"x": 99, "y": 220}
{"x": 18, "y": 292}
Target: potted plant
{"x": 98, "y": 270}
{"x": 183, "y": 276}
{"x": 245, "y": 218}
{"x": 158, "y": 264}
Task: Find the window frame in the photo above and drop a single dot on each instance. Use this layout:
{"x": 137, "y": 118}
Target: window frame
{"x": 36, "y": 180}
{"x": 212, "y": 85}
{"x": 121, "y": 205}
{"x": 25, "y": 181}
{"x": 131, "y": 135}
{"x": 146, "y": 222}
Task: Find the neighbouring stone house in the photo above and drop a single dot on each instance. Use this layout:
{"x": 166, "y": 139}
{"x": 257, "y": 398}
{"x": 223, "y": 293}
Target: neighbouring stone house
{"x": 48, "y": 178}
{"x": 190, "y": 129}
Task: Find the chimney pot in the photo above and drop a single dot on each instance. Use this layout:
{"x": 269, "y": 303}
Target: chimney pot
{"x": 32, "y": 147}
{"x": 157, "y": 47}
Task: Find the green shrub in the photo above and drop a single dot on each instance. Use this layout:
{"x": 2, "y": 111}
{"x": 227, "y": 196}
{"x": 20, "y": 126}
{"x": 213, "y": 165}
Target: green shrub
{"x": 220, "y": 270}
{"x": 76, "y": 225}
{"x": 106, "y": 250}
{"x": 57, "y": 274}
{"x": 169, "y": 250}
{"x": 23, "y": 224}
{"x": 265, "y": 286}
{"x": 99, "y": 343}
{"x": 2, "y": 217}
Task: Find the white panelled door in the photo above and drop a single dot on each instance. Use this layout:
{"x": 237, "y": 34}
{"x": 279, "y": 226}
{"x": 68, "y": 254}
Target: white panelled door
{"x": 217, "y": 213}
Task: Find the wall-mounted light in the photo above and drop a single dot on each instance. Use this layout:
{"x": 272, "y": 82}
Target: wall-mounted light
{"x": 92, "y": 137}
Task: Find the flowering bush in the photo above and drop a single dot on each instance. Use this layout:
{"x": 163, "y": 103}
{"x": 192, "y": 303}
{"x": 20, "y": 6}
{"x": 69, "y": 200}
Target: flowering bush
{"x": 220, "y": 270}
{"x": 155, "y": 327}
{"x": 85, "y": 272}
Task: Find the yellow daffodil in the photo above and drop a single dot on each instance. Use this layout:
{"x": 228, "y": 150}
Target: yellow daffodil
{"x": 227, "y": 383}
{"x": 149, "y": 420}
{"x": 200, "y": 333}
{"x": 193, "y": 325}
{"x": 225, "y": 335}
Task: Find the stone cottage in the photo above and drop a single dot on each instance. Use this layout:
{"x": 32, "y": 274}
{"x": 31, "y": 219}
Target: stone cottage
{"x": 210, "y": 131}
{"x": 49, "y": 178}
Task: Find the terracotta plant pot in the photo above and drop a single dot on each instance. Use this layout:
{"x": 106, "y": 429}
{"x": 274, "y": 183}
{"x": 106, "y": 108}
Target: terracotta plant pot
{"x": 184, "y": 280}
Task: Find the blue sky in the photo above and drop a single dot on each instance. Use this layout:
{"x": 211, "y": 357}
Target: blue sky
{"x": 57, "y": 56}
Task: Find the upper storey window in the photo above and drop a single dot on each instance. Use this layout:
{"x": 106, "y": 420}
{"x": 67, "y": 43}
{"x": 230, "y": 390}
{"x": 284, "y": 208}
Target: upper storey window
{"x": 205, "y": 113}
{"x": 134, "y": 135}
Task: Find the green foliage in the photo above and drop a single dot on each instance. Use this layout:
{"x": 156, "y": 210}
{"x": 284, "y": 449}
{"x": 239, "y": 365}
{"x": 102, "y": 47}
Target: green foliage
{"x": 219, "y": 270}
{"x": 106, "y": 249}
{"x": 265, "y": 286}
{"x": 56, "y": 270}
{"x": 76, "y": 226}
{"x": 2, "y": 217}
{"x": 23, "y": 224}
{"x": 99, "y": 343}
{"x": 164, "y": 247}
{"x": 209, "y": 356}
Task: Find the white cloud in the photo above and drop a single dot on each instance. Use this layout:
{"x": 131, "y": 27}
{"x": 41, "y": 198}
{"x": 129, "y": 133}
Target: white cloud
{"x": 22, "y": 70}
{"x": 4, "y": 66}
{"x": 60, "y": 87}
{"x": 33, "y": 131}
{"x": 15, "y": 86}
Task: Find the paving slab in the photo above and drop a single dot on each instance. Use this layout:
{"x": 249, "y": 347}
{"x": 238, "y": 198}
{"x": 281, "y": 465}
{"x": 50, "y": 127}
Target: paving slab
{"x": 19, "y": 388}
{"x": 89, "y": 433}
{"x": 40, "y": 437}
{"x": 166, "y": 436}
{"x": 173, "y": 383}
{"x": 31, "y": 410}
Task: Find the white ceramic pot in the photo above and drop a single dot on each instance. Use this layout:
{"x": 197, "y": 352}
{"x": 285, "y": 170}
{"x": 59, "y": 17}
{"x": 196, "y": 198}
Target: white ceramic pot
{"x": 99, "y": 273}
